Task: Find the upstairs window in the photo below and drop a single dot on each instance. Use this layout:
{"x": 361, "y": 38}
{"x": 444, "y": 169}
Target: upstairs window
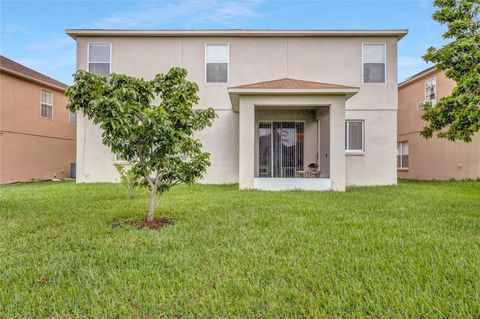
{"x": 431, "y": 91}
{"x": 99, "y": 58}
{"x": 216, "y": 62}
{"x": 354, "y": 135}
{"x": 402, "y": 154}
{"x": 46, "y": 104}
{"x": 374, "y": 68}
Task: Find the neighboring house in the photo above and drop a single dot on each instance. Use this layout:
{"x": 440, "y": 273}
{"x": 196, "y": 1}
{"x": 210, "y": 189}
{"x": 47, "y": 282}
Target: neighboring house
{"x": 284, "y": 99}
{"x": 37, "y": 133}
{"x": 419, "y": 158}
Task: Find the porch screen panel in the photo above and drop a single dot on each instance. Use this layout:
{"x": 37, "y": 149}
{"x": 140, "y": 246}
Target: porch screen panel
{"x": 277, "y": 149}
{"x": 288, "y": 149}
{"x": 265, "y": 150}
{"x": 280, "y": 148}
{"x": 300, "y": 147}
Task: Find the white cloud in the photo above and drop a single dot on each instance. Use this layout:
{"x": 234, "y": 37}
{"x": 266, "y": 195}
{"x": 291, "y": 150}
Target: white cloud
{"x": 406, "y": 61}
{"x": 193, "y": 13}
{"x": 14, "y": 29}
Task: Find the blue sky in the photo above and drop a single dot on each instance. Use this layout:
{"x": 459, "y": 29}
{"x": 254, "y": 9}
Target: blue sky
{"x": 32, "y": 32}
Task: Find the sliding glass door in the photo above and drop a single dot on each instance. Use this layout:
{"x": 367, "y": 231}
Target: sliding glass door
{"x": 280, "y": 148}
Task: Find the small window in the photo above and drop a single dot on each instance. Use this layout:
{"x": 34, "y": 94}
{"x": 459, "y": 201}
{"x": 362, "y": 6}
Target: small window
{"x": 374, "y": 63}
{"x": 72, "y": 117}
{"x": 354, "y": 135}
{"x": 99, "y": 56}
{"x": 216, "y": 62}
{"x": 46, "y": 104}
{"x": 402, "y": 154}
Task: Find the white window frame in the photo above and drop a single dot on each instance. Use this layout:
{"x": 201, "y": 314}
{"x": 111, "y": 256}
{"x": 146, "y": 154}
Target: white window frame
{"x": 118, "y": 159}
{"x": 228, "y": 62}
{"x": 385, "y": 62}
{"x": 88, "y": 56}
{"x": 347, "y": 150}
{"x": 41, "y": 102}
{"x": 401, "y": 154}
{"x": 434, "y": 80}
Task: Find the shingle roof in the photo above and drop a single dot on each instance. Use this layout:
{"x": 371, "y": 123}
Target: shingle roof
{"x": 17, "y": 68}
{"x": 293, "y": 84}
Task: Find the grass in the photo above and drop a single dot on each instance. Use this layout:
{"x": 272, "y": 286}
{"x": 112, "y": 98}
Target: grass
{"x": 406, "y": 251}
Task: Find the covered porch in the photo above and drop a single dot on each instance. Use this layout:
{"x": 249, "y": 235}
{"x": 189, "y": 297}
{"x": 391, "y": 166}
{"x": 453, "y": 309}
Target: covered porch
{"x": 291, "y": 135}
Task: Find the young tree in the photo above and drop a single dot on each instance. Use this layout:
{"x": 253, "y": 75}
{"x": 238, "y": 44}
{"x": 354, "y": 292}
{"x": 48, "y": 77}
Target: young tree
{"x": 150, "y": 124}
{"x": 457, "y": 116}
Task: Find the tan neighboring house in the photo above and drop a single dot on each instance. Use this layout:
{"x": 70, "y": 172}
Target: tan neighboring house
{"x": 433, "y": 159}
{"x": 37, "y": 132}
{"x": 285, "y": 99}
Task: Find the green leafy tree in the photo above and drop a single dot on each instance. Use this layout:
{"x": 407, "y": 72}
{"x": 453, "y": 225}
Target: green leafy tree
{"x": 457, "y": 116}
{"x": 150, "y": 124}
{"x": 128, "y": 178}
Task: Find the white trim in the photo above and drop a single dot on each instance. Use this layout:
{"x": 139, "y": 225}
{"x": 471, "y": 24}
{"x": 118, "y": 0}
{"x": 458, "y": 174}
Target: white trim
{"x": 41, "y": 103}
{"x": 118, "y": 161}
{"x": 385, "y": 61}
{"x": 347, "y": 140}
{"x": 291, "y": 183}
{"x": 228, "y": 62}
{"x": 88, "y": 56}
{"x": 354, "y": 153}
{"x": 398, "y": 33}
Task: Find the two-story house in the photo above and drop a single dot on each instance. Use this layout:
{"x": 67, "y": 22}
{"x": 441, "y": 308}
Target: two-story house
{"x": 37, "y": 132}
{"x": 314, "y": 110}
{"x": 419, "y": 158}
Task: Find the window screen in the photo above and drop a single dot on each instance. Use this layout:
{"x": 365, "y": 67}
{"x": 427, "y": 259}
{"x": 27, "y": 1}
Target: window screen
{"x": 46, "y": 104}
{"x": 354, "y": 135}
{"x": 280, "y": 149}
{"x": 99, "y": 58}
{"x": 216, "y": 61}
{"x": 374, "y": 63}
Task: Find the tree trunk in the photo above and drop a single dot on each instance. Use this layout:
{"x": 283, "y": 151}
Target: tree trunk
{"x": 152, "y": 205}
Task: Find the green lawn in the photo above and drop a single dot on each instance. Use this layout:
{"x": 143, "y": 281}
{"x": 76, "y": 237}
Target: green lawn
{"x": 406, "y": 251}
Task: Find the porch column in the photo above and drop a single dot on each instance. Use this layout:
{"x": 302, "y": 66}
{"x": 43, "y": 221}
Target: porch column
{"x": 337, "y": 144}
{"x": 246, "y": 143}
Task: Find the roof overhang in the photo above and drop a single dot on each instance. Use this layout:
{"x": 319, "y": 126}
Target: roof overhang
{"x": 235, "y": 93}
{"x": 74, "y": 33}
{"x": 422, "y": 74}
{"x": 32, "y": 79}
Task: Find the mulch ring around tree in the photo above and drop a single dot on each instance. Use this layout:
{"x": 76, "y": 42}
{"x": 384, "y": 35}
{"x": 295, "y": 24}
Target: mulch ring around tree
{"x": 155, "y": 224}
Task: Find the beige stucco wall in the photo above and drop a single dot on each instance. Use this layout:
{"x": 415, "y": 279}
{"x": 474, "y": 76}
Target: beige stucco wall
{"x": 434, "y": 158}
{"x": 32, "y": 147}
{"x": 252, "y": 59}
